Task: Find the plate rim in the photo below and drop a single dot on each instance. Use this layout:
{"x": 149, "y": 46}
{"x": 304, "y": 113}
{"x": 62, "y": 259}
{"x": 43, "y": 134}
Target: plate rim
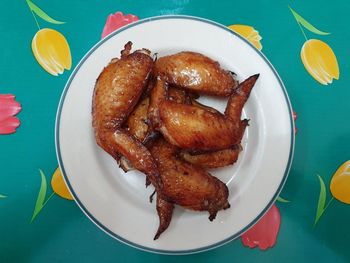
{"x": 116, "y": 236}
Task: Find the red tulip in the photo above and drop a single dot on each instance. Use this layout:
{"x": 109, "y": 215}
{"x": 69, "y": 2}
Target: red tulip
{"x": 264, "y": 232}
{"x": 117, "y": 20}
{"x": 8, "y": 108}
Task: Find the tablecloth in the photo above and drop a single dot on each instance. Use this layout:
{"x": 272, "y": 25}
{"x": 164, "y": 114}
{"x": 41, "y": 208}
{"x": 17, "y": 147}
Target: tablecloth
{"x": 304, "y": 40}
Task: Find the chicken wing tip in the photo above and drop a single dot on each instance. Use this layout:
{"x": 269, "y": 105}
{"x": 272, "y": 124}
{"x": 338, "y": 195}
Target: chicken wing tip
{"x": 127, "y": 49}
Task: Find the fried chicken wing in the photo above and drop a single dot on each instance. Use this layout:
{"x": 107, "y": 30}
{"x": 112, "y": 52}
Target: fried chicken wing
{"x": 136, "y": 124}
{"x": 215, "y": 159}
{"x": 195, "y": 72}
{"x": 157, "y": 95}
{"x": 117, "y": 91}
{"x": 160, "y": 92}
{"x": 188, "y": 185}
{"x": 165, "y": 213}
{"x": 195, "y": 128}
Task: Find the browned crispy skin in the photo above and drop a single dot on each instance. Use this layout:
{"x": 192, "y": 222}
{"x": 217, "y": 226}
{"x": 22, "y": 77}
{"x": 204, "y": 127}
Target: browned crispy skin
{"x": 188, "y": 185}
{"x": 137, "y": 122}
{"x": 117, "y": 91}
{"x": 136, "y": 125}
{"x": 157, "y": 95}
{"x": 179, "y": 95}
{"x": 194, "y": 128}
{"x": 239, "y": 98}
{"x": 165, "y": 213}
{"x": 205, "y": 107}
{"x": 215, "y": 159}
{"x": 195, "y": 72}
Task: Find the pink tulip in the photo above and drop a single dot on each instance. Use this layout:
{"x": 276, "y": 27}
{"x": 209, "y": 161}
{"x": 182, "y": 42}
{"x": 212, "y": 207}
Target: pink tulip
{"x": 117, "y": 20}
{"x": 264, "y": 232}
{"x": 295, "y": 118}
{"x": 8, "y": 108}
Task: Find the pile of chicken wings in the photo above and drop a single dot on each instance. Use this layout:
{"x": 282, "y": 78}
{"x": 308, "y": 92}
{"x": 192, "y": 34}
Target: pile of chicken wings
{"x": 146, "y": 116}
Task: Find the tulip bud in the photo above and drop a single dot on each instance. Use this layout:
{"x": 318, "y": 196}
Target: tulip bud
{"x": 249, "y": 33}
{"x": 51, "y": 50}
{"x": 320, "y": 61}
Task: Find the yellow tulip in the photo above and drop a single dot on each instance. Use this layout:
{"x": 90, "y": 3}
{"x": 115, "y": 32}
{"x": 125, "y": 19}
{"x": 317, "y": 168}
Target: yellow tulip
{"x": 320, "y": 61}
{"x": 249, "y": 33}
{"x": 51, "y": 50}
{"x": 340, "y": 183}
{"x": 59, "y": 186}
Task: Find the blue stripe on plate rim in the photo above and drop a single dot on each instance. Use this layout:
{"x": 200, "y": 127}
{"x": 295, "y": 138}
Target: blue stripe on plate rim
{"x": 105, "y": 229}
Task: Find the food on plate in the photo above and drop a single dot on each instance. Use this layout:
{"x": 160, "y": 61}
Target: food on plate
{"x": 214, "y": 159}
{"x": 195, "y": 72}
{"x": 165, "y": 212}
{"x": 194, "y": 128}
{"x": 188, "y": 185}
{"x": 136, "y": 124}
{"x": 117, "y": 91}
{"x": 157, "y": 95}
{"x": 146, "y": 116}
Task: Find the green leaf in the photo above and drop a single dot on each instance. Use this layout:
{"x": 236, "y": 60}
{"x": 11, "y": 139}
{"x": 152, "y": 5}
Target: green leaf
{"x": 282, "y": 200}
{"x": 321, "y": 200}
{"x": 41, "y": 196}
{"x": 306, "y": 24}
{"x": 39, "y": 12}
{"x": 2, "y": 196}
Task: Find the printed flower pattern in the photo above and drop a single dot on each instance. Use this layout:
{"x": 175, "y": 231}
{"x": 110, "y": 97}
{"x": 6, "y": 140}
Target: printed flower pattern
{"x": 264, "y": 233}
{"x": 51, "y": 50}
{"x": 339, "y": 187}
{"x": 320, "y": 61}
{"x": 295, "y": 116}
{"x": 59, "y": 185}
{"x": 340, "y": 183}
{"x": 50, "y": 47}
{"x": 117, "y": 20}
{"x": 8, "y": 108}
{"x": 317, "y": 56}
{"x": 249, "y": 33}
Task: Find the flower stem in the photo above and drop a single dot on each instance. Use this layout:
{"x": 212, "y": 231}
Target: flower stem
{"x": 36, "y": 21}
{"x": 302, "y": 30}
{"x": 329, "y": 202}
{"x": 48, "y": 198}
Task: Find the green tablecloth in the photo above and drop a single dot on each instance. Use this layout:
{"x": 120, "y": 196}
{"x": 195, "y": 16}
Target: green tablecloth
{"x": 62, "y": 233}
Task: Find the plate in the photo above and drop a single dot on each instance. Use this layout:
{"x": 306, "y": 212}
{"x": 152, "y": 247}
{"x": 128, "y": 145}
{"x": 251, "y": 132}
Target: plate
{"x": 118, "y": 202}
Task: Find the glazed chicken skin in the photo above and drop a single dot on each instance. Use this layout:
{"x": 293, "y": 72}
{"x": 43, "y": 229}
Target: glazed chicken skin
{"x": 165, "y": 212}
{"x": 195, "y": 128}
{"x": 188, "y": 185}
{"x": 136, "y": 124}
{"x": 117, "y": 91}
{"x": 195, "y": 72}
{"x": 211, "y": 160}
{"x": 145, "y": 115}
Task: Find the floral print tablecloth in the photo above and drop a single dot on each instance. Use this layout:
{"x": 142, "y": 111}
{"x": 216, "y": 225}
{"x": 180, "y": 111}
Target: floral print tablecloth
{"x": 306, "y": 42}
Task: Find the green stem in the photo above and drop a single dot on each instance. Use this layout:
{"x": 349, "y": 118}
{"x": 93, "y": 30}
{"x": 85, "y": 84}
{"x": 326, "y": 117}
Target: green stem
{"x": 48, "y": 199}
{"x": 329, "y": 202}
{"x": 35, "y": 215}
{"x": 36, "y": 21}
{"x": 302, "y": 30}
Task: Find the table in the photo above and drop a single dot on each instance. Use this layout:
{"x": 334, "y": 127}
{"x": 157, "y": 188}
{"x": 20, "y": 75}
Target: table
{"x": 315, "y": 209}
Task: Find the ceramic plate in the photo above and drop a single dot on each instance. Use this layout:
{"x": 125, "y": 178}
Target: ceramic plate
{"x": 119, "y": 203}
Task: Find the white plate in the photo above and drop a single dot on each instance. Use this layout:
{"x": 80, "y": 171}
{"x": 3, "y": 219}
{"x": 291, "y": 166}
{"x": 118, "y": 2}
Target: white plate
{"x": 118, "y": 202}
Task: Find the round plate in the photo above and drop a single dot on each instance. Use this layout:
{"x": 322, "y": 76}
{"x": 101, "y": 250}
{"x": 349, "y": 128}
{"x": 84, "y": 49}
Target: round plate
{"x": 118, "y": 202}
